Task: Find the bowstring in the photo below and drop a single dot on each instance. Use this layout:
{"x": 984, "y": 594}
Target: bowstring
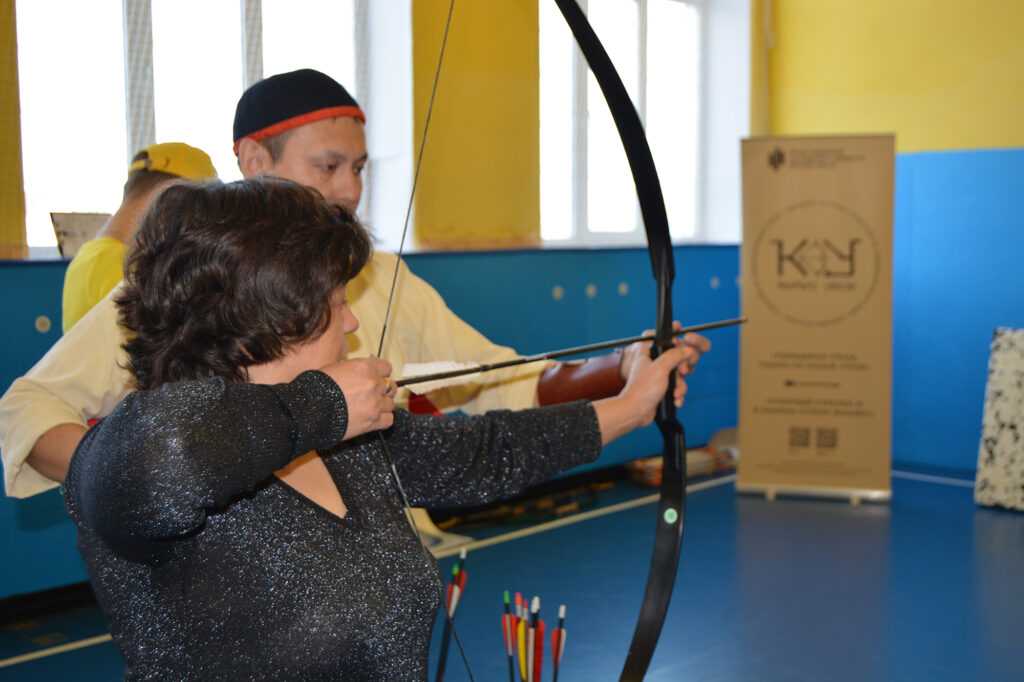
{"x": 416, "y": 176}
{"x": 406, "y": 507}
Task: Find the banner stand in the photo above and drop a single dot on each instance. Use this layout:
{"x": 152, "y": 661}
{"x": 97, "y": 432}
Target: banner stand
{"x": 816, "y": 354}
{"x": 855, "y": 497}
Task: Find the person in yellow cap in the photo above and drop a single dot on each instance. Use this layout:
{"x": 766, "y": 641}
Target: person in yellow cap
{"x": 97, "y": 267}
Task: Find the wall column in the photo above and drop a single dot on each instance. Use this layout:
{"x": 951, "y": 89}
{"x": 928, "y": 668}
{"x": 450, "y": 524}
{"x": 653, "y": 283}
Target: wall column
{"x": 13, "y": 243}
{"x": 479, "y": 186}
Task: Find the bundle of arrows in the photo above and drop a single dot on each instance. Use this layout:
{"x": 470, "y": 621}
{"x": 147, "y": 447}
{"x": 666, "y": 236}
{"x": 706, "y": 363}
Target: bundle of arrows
{"x": 522, "y": 629}
{"x": 453, "y": 594}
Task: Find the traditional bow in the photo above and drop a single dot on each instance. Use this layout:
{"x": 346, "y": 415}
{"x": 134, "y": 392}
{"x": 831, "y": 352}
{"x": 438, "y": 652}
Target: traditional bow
{"x": 671, "y": 506}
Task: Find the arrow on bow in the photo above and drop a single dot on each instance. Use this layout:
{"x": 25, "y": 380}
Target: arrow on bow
{"x": 466, "y": 369}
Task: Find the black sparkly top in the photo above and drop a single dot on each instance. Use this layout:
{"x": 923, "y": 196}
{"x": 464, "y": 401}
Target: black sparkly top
{"x": 210, "y": 568}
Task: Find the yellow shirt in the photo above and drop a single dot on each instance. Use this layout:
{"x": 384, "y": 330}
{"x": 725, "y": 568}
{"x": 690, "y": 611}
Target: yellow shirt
{"x": 84, "y": 376}
{"x": 94, "y": 271}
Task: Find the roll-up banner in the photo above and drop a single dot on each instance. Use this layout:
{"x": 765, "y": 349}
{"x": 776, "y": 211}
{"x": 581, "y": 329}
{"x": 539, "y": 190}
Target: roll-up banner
{"x": 816, "y": 354}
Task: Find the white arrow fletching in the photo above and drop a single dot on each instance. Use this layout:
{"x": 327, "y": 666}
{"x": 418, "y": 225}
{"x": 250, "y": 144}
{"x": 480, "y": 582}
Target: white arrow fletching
{"x": 418, "y": 369}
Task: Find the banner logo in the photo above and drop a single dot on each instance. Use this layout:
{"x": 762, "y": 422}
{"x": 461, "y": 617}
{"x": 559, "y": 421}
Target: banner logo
{"x": 815, "y": 263}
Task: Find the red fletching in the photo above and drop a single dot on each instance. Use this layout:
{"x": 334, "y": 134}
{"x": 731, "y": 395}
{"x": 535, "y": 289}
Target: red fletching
{"x": 508, "y": 633}
{"x": 538, "y": 654}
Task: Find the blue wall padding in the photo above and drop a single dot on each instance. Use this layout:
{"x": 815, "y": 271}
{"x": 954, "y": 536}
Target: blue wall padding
{"x": 38, "y": 539}
{"x": 30, "y": 289}
{"x": 959, "y": 273}
{"x": 508, "y": 297}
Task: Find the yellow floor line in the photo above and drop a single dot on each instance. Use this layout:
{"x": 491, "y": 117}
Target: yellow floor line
{"x": 576, "y": 518}
{"x": 928, "y": 478}
{"x": 54, "y": 650}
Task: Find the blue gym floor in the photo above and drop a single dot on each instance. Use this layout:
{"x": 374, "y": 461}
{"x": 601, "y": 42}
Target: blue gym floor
{"x": 928, "y": 587}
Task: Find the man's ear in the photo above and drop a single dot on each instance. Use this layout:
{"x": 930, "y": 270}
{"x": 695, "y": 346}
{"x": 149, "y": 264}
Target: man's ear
{"x": 253, "y": 158}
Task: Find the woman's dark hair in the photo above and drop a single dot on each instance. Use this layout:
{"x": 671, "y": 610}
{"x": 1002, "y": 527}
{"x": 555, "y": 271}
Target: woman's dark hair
{"x": 225, "y": 276}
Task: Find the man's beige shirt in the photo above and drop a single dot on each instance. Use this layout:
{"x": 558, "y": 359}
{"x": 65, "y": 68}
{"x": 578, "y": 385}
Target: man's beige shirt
{"x": 83, "y": 375}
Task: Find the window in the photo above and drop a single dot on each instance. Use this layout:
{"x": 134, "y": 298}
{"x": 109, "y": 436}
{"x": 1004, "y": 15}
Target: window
{"x": 326, "y": 29}
{"x": 197, "y": 76}
{"x": 611, "y": 206}
{"x": 685, "y": 62}
{"x": 557, "y": 125}
{"x": 73, "y": 128}
{"x": 673, "y": 95}
{"x": 587, "y": 191}
{"x": 77, "y": 125}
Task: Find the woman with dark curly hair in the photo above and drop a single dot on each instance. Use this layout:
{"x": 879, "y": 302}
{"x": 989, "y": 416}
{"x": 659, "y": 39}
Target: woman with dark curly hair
{"x": 211, "y": 559}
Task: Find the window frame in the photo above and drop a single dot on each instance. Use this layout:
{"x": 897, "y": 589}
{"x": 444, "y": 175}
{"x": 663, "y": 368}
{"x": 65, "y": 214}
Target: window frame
{"x": 582, "y": 235}
{"x": 724, "y": 27}
{"x": 138, "y": 33}
{"x": 139, "y": 93}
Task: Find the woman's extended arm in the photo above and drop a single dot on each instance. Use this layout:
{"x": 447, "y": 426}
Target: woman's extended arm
{"x": 462, "y": 461}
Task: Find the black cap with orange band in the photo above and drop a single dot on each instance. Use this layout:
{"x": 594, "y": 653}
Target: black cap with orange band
{"x": 288, "y": 100}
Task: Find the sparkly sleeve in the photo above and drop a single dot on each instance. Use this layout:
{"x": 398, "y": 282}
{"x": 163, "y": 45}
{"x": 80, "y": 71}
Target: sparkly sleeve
{"x": 472, "y": 460}
{"x": 164, "y": 458}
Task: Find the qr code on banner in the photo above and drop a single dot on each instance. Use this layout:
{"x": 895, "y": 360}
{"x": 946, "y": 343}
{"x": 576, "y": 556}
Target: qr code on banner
{"x": 799, "y": 437}
{"x": 826, "y": 437}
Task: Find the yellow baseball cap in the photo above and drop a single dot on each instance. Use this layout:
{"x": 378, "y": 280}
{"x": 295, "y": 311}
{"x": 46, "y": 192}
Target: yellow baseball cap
{"x": 175, "y": 158}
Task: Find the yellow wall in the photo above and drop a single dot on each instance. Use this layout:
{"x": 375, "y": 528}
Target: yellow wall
{"x": 12, "y": 198}
{"x": 760, "y": 50}
{"x": 941, "y": 74}
{"x": 478, "y": 186}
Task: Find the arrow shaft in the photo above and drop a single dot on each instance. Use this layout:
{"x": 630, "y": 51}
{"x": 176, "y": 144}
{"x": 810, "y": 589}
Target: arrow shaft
{"x": 565, "y": 352}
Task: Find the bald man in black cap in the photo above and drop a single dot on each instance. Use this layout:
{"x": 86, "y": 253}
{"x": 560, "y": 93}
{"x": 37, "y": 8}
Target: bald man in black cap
{"x": 306, "y": 127}
{"x": 303, "y": 126}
